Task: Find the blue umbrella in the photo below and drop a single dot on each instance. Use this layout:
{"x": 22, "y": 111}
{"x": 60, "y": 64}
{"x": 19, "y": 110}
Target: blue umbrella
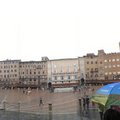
{"x": 108, "y": 95}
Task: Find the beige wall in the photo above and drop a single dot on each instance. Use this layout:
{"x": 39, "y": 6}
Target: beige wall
{"x": 63, "y": 70}
{"x": 33, "y": 72}
{"x": 90, "y": 67}
{"x": 9, "y": 71}
{"x": 94, "y": 66}
{"x": 112, "y": 65}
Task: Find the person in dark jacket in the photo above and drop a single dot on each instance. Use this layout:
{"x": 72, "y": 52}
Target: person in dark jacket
{"x": 111, "y": 114}
{"x": 41, "y": 102}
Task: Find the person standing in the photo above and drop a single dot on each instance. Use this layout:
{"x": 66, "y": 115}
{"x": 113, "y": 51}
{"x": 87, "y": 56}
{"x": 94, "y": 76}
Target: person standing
{"x": 41, "y": 102}
{"x": 84, "y": 103}
{"x": 101, "y": 111}
{"x": 111, "y": 114}
{"x": 87, "y": 102}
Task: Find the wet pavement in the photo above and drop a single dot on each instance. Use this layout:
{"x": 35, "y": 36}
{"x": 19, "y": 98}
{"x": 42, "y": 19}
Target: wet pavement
{"x": 23, "y": 106}
{"x": 5, "y": 115}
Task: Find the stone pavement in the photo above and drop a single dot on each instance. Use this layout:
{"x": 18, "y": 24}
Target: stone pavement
{"x": 5, "y": 115}
{"x": 65, "y": 106}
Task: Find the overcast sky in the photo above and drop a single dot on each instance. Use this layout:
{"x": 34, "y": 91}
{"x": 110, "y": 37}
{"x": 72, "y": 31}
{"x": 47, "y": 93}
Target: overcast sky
{"x": 30, "y": 29}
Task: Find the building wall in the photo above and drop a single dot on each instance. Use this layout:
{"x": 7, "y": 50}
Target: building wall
{"x": 9, "y": 71}
{"x": 94, "y": 66}
{"x": 33, "y": 73}
{"x": 62, "y": 71}
{"x": 112, "y": 66}
{"x": 81, "y": 70}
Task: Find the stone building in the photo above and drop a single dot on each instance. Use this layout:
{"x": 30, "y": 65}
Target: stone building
{"x": 9, "y": 72}
{"x": 63, "y": 72}
{"x": 94, "y": 66}
{"x": 81, "y": 69}
{"x": 34, "y": 73}
{"x": 112, "y": 66}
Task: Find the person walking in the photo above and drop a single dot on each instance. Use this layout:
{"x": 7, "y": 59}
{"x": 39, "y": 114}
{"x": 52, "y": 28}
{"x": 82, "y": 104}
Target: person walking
{"x": 87, "y": 102}
{"x": 101, "y": 111}
{"x": 84, "y": 103}
{"x": 112, "y": 114}
{"x": 41, "y": 102}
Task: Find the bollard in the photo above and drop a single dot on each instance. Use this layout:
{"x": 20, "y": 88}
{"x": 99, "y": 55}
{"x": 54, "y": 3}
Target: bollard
{"x": 80, "y": 106}
{"x": 50, "y": 107}
{"x": 4, "y": 105}
{"x": 50, "y": 111}
{"x": 18, "y": 106}
{"x": 80, "y": 102}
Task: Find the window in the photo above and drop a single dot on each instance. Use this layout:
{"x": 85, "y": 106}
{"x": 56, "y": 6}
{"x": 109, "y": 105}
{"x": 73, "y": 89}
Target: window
{"x": 15, "y": 75}
{"x": 105, "y": 60}
{"x": 55, "y": 78}
{"x": 118, "y": 72}
{"x": 110, "y": 73}
{"x": 113, "y": 65}
{"x": 67, "y": 68}
{"x": 68, "y": 76}
{"x": 87, "y": 62}
{"x": 113, "y": 60}
{"x": 91, "y": 69}
{"x": 117, "y": 59}
{"x": 105, "y": 66}
{"x": 96, "y": 75}
{"x": 96, "y": 69}
{"x": 109, "y": 66}
{"x": 75, "y": 76}
{"x": 118, "y": 65}
{"x": 91, "y": 62}
{"x": 61, "y": 69}
{"x": 114, "y": 73}
{"x": 106, "y": 73}
{"x": 61, "y": 77}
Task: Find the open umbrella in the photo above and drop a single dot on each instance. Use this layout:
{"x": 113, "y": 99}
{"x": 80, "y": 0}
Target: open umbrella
{"x": 108, "y": 95}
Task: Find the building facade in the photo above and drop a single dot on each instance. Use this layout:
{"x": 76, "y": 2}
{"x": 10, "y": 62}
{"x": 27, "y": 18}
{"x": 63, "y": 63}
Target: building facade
{"x": 63, "y": 72}
{"x": 34, "y": 73}
{"x": 112, "y": 66}
{"x": 9, "y": 72}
